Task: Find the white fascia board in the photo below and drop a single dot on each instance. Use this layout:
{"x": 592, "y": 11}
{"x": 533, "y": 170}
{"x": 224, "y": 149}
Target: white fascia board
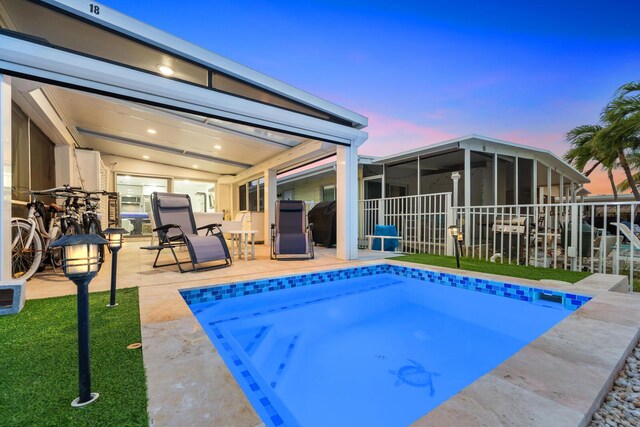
{"x": 303, "y": 153}
{"x": 120, "y": 22}
{"x": 330, "y": 167}
{"x": 30, "y": 59}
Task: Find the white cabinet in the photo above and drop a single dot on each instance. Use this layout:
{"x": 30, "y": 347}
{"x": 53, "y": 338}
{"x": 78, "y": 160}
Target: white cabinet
{"x": 255, "y": 221}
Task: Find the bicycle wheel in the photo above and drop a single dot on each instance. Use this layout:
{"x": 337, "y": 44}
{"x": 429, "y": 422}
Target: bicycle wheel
{"x": 25, "y": 259}
{"x": 72, "y": 227}
{"x": 55, "y": 254}
{"x": 94, "y": 227}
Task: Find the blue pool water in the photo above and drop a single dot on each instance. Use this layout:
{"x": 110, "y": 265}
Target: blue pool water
{"x": 377, "y": 350}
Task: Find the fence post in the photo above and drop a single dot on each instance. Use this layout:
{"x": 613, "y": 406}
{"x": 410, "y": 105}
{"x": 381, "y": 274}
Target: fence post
{"x": 575, "y": 218}
{"x": 451, "y": 220}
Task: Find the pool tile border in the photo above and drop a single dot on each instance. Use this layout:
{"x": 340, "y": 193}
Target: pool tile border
{"x": 571, "y": 301}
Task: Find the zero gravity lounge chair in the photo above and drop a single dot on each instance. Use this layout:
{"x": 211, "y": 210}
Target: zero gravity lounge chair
{"x": 291, "y": 235}
{"x": 176, "y": 227}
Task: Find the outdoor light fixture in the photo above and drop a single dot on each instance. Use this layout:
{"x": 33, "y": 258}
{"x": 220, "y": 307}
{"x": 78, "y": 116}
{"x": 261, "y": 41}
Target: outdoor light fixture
{"x": 114, "y": 237}
{"x": 145, "y": 157}
{"x": 456, "y": 233}
{"x": 195, "y": 166}
{"x": 152, "y": 131}
{"x": 80, "y": 263}
{"x": 217, "y": 147}
{"x": 165, "y": 70}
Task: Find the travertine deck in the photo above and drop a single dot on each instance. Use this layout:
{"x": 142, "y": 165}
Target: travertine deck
{"x": 558, "y": 380}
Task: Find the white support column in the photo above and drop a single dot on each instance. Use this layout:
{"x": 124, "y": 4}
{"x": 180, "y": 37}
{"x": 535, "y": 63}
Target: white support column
{"x": 495, "y": 179}
{"x": 561, "y": 189}
{"x": 347, "y": 202}
{"x": 467, "y": 194}
{"x": 5, "y": 178}
{"x": 516, "y": 179}
{"x": 270, "y": 196}
{"x": 534, "y": 184}
{"x": 549, "y": 189}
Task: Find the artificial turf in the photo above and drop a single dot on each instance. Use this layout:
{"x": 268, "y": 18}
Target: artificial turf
{"x": 39, "y": 365}
{"x": 513, "y": 270}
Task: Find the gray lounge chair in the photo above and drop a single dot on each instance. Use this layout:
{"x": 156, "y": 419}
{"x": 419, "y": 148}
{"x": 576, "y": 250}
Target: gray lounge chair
{"x": 291, "y": 235}
{"x": 176, "y": 226}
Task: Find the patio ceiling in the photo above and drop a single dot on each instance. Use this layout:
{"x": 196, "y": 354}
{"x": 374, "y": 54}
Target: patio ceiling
{"x": 135, "y": 130}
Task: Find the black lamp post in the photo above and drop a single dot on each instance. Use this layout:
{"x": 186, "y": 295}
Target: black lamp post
{"x": 456, "y": 233}
{"x": 80, "y": 263}
{"x": 115, "y": 237}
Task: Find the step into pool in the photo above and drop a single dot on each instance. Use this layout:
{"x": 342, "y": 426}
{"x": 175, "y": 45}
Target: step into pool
{"x": 376, "y": 346}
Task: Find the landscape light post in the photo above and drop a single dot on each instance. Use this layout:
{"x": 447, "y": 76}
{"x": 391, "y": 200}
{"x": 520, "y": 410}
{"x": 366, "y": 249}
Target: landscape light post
{"x": 456, "y": 234}
{"x": 115, "y": 237}
{"x": 80, "y": 263}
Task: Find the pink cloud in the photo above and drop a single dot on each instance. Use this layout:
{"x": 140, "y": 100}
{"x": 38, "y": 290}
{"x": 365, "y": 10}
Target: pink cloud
{"x": 389, "y": 135}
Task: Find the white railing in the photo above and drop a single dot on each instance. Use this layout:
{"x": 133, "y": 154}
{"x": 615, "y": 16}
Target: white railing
{"x": 421, "y": 221}
{"x": 572, "y": 236}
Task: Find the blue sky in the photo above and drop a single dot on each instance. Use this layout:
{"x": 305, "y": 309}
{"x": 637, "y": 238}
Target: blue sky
{"x": 425, "y": 71}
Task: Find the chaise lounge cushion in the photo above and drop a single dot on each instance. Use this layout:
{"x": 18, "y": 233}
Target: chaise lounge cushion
{"x": 206, "y": 248}
{"x": 291, "y": 243}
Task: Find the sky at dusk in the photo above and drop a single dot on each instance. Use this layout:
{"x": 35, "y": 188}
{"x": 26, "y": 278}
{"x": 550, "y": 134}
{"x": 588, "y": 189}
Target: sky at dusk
{"x": 426, "y": 71}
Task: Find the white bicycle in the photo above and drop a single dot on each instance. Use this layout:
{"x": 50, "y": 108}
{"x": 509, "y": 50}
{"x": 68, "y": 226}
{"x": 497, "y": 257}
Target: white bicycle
{"x": 31, "y": 236}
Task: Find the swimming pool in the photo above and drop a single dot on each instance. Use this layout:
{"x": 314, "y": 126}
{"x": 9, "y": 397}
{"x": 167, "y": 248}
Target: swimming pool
{"x": 379, "y": 345}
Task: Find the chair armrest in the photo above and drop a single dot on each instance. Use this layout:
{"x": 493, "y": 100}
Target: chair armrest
{"x": 166, "y": 227}
{"x": 211, "y": 228}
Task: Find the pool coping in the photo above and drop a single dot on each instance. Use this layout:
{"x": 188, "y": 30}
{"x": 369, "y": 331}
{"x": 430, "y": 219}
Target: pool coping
{"x": 558, "y": 379}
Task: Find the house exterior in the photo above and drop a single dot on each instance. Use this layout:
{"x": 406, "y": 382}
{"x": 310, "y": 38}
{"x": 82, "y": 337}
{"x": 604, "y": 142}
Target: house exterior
{"x": 496, "y": 172}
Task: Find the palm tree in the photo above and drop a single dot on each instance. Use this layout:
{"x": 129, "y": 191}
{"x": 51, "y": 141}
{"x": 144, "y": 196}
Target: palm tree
{"x": 622, "y": 134}
{"x": 584, "y": 150}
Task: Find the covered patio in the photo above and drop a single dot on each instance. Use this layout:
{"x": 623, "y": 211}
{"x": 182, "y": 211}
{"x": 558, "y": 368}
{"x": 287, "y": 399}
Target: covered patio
{"x": 111, "y": 97}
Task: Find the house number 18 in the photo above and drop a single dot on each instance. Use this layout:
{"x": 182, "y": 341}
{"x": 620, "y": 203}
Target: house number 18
{"x": 95, "y": 9}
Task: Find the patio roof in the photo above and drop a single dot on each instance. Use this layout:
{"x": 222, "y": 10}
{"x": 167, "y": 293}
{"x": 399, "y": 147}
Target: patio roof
{"x": 490, "y": 145}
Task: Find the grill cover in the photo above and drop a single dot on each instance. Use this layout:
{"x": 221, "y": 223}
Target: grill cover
{"x": 323, "y": 218}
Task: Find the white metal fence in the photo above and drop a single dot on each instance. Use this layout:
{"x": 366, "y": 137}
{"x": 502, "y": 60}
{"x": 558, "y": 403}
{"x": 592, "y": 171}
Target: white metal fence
{"x": 593, "y": 237}
{"x": 421, "y": 221}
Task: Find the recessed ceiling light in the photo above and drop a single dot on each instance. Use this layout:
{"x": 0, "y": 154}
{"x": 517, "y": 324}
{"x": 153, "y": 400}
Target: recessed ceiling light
{"x": 195, "y": 166}
{"x": 217, "y": 147}
{"x": 152, "y": 131}
{"x": 165, "y": 70}
{"x": 145, "y": 157}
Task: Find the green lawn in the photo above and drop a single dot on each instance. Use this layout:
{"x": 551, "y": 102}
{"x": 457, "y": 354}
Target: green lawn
{"x": 525, "y": 272}
{"x": 38, "y": 364}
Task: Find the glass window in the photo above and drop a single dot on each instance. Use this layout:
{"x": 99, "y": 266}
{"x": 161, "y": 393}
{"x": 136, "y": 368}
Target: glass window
{"x": 202, "y": 193}
{"x": 135, "y": 201}
{"x": 43, "y": 166}
{"x": 329, "y": 193}
{"x": 261, "y": 194}
{"x": 371, "y": 170}
{"x": 253, "y": 195}
{"x": 45, "y": 24}
{"x": 373, "y": 188}
{"x": 242, "y": 196}
{"x": 402, "y": 179}
{"x": 19, "y": 154}
{"x": 481, "y": 179}
{"x": 506, "y": 180}
{"x": 525, "y": 181}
